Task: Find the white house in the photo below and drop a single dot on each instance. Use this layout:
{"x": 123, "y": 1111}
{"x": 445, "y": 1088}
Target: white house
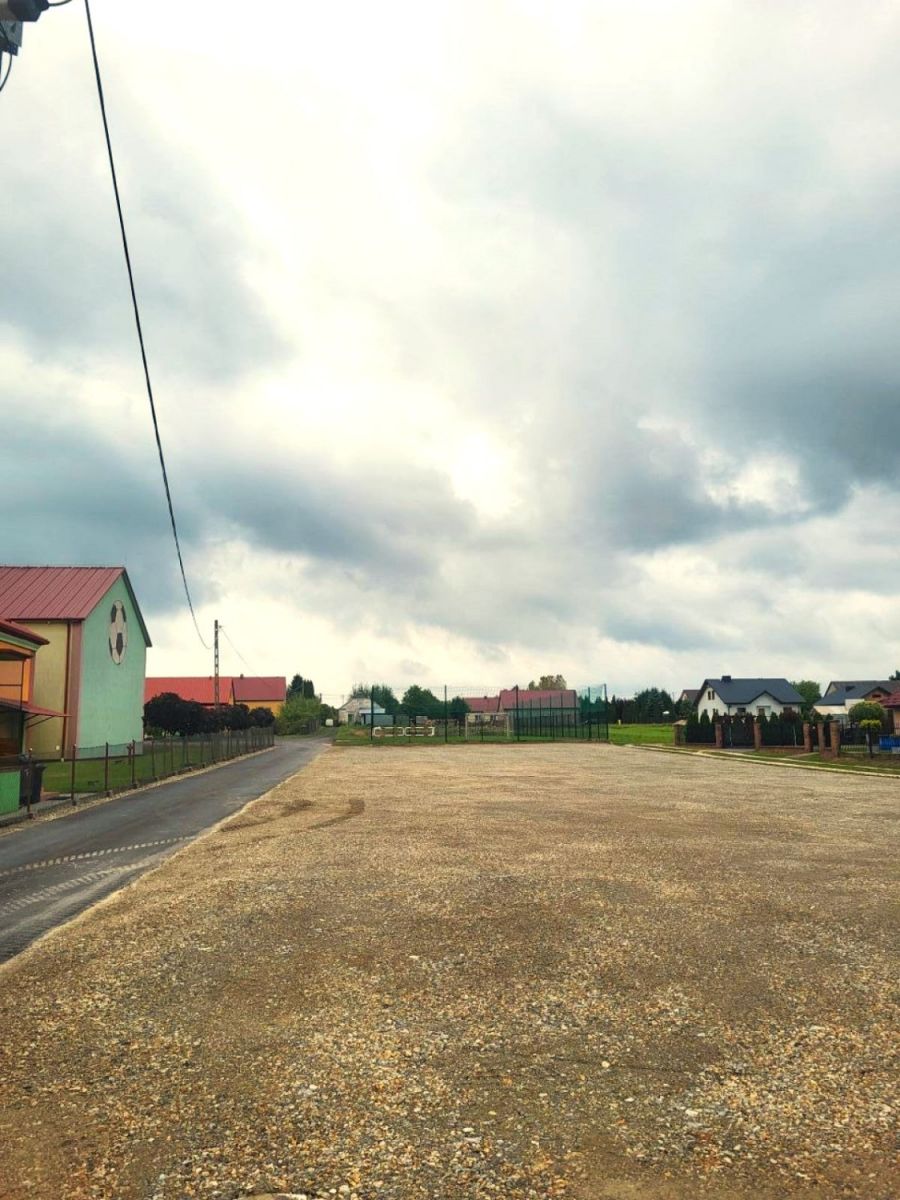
{"x": 842, "y": 694}
{"x": 358, "y": 711}
{"x": 731, "y": 697}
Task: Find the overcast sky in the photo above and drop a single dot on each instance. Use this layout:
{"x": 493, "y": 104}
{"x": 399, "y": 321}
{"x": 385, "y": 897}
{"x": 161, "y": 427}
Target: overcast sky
{"x": 489, "y": 339}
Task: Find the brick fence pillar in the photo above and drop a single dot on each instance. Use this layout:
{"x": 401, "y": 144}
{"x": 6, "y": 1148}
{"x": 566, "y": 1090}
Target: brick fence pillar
{"x": 757, "y": 734}
{"x": 807, "y": 737}
{"x": 822, "y": 730}
{"x": 720, "y": 742}
{"x": 835, "y": 738}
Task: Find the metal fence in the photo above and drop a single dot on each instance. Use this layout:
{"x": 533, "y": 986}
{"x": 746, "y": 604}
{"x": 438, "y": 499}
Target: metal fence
{"x": 455, "y": 714}
{"x": 112, "y": 768}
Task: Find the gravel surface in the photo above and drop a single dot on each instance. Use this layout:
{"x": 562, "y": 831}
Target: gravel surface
{"x": 479, "y": 972}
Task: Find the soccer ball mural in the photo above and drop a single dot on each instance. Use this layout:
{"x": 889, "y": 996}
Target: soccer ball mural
{"x": 118, "y": 632}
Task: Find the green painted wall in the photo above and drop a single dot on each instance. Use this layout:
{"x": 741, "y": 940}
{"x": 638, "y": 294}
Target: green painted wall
{"x": 111, "y": 704}
{"x": 9, "y": 791}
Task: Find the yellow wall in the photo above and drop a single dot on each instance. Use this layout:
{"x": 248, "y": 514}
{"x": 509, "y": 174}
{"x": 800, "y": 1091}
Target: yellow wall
{"x": 275, "y": 705}
{"x": 46, "y": 737}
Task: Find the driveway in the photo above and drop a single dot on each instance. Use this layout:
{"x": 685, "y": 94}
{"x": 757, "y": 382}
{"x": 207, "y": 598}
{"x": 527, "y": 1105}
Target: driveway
{"x": 51, "y": 871}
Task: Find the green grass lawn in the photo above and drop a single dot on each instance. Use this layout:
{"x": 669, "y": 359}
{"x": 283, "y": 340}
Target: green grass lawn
{"x": 167, "y": 759}
{"x": 641, "y": 735}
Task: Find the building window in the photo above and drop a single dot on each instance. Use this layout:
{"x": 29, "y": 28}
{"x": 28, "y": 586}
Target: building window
{"x": 741, "y": 710}
{"x": 709, "y": 694}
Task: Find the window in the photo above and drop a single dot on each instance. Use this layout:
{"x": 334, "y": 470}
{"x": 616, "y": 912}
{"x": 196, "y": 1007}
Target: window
{"x": 741, "y": 710}
{"x": 709, "y": 694}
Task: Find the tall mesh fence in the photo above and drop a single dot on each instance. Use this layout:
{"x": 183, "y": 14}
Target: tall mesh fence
{"x": 454, "y": 713}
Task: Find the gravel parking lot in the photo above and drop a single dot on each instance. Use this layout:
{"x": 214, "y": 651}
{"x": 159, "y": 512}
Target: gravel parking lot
{"x": 537, "y": 971}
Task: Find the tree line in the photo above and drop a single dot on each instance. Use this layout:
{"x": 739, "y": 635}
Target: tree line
{"x": 168, "y": 713}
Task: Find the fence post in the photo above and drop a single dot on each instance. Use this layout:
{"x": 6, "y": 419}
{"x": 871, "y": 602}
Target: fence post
{"x": 106, "y": 770}
{"x": 30, "y": 785}
{"x": 757, "y": 734}
{"x": 133, "y": 755}
{"x": 153, "y": 758}
{"x": 518, "y": 738}
{"x": 446, "y": 716}
{"x": 72, "y": 776}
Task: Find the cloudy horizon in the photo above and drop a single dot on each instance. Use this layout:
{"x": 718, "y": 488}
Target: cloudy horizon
{"x": 487, "y": 341}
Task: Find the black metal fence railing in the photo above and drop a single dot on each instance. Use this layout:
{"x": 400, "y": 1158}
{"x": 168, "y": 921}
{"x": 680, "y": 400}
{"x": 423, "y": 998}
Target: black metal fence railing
{"x": 113, "y": 768}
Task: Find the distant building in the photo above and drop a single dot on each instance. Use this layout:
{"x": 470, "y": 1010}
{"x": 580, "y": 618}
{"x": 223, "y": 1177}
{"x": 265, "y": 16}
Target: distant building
{"x": 842, "y": 694}
{"x": 531, "y": 699}
{"x": 358, "y": 710}
{"x": 734, "y": 697}
{"x": 256, "y": 691}
{"x": 91, "y": 658}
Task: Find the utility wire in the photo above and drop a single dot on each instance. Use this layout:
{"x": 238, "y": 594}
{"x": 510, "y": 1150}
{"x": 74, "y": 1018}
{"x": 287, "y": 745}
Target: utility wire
{"x": 233, "y": 646}
{"x": 137, "y": 315}
{"x": 5, "y": 79}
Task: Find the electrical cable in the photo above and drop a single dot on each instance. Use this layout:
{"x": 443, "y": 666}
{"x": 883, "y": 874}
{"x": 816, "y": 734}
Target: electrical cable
{"x": 137, "y": 318}
{"x": 5, "y": 79}
{"x": 233, "y": 646}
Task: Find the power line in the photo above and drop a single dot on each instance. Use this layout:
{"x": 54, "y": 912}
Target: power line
{"x": 223, "y": 630}
{"x": 137, "y": 316}
{"x": 5, "y": 79}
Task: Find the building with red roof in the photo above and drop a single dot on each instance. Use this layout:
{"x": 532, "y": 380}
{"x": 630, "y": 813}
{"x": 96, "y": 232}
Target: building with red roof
{"x": 256, "y": 691}
{"x": 87, "y": 681}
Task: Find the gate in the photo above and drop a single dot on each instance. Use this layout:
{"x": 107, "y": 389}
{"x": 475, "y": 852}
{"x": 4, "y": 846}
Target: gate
{"x": 737, "y": 732}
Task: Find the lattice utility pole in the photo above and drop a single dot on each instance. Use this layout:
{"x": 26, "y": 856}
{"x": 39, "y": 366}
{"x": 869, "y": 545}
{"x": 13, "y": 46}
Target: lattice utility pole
{"x": 216, "y": 666}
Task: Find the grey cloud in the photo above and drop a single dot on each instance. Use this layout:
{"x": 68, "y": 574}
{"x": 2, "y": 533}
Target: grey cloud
{"x": 65, "y": 288}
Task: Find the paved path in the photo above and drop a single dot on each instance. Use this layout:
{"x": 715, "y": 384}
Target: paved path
{"x": 51, "y": 871}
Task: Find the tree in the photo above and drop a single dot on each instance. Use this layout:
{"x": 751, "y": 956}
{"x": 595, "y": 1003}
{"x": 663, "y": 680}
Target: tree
{"x": 549, "y": 683}
{"x": 811, "y": 693}
{"x": 302, "y": 687}
{"x": 299, "y": 714}
{"x": 651, "y": 704}
{"x": 261, "y": 718}
{"x": 359, "y": 690}
{"x": 870, "y": 717}
{"x": 422, "y": 702}
{"x": 896, "y": 675}
{"x": 384, "y": 695}
{"x": 458, "y": 708}
{"x": 165, "y": 712}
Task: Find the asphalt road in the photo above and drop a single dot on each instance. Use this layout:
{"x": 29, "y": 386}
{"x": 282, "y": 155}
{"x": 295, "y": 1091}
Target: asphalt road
{"x": 51, "y": 871}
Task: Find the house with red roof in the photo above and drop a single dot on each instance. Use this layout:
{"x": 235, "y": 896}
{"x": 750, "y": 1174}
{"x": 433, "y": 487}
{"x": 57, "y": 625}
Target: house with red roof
{"x": 256, "y": 691}
{"x": 85, "y": 685}
{"x": 528, "y": 702}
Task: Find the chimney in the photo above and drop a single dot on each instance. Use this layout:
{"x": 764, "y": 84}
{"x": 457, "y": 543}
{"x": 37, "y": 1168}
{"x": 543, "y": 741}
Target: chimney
{"x": 726, "y": 679}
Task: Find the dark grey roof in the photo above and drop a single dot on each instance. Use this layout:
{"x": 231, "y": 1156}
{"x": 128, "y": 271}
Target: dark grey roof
{"x": 689, "y": 694}
{"x": 848, "y": 691}
{"x": 745, "y": 691}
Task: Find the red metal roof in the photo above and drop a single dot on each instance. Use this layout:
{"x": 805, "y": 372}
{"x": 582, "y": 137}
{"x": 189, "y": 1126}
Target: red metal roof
{"x": 19, "y": 631}
{"x": 54, "y": 593}
{"x": 193, "y": 687}
{"x": 482, "y": 704}
{"x": 59, "y": 593}
{"x": 245, "y": 689}
{"x": 545, "y": 697}
{"x": 251, "y": 688}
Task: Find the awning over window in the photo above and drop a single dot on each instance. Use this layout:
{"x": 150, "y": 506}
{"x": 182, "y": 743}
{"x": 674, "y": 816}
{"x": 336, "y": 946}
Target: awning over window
{"x": 30, "y": 710}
